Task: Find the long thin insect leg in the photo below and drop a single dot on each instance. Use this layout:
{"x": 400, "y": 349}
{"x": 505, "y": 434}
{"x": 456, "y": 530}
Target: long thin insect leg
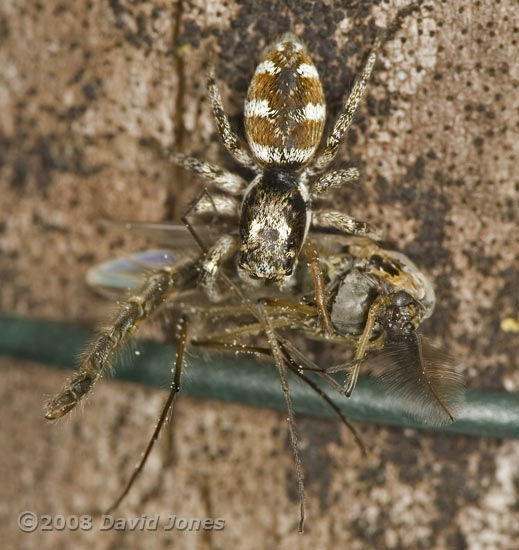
{"x": 312, "y": 258}
{"x": 158, "y": 286}
{"x": 309, "y": 365}
{"x": 229, "y": 346}
{"x": 295, "y": 368}
{"x": 297, "y": 371}
{"x": 185, "y": 221}
{"x": 280, "y": 364}
{"x": 168, "y": 406}
{"x": 362, "y": 347}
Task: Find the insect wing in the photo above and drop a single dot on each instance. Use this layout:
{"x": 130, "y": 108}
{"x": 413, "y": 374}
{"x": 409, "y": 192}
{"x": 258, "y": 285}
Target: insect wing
{"x": 164, "y": 234}
{"x": 423, "y": 376}
{"x": 114, "y": 278}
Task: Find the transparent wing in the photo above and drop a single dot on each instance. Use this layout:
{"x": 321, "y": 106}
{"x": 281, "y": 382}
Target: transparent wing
{"x": 165, "y": 234}
{"x": 423, "y": 376}
{"x": 114, "y": 278}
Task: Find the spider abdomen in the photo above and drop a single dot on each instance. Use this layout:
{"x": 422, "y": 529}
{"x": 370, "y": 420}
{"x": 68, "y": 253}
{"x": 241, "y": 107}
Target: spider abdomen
{"x": 285, "y": 110}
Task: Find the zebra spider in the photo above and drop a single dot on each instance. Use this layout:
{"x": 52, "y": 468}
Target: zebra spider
{"x": 285, "y": 114}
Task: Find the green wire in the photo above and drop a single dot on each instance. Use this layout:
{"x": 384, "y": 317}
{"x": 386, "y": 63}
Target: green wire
{"x": 244, "y": 380}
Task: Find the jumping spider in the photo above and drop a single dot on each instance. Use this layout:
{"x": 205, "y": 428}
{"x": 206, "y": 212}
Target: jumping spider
{"x": 284, "y": 116}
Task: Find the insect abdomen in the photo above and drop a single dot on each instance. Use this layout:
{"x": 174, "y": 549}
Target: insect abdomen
{"x": 285, "y": 110}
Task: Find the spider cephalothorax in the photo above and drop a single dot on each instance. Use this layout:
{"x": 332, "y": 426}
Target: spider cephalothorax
{"x": 271, "y": 238}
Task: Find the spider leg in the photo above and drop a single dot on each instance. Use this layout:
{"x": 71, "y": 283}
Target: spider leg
{"x": 222, "y": 179}
{"x": 168, "y": 406}
{"x": 324, "y": 157}
{"x": 280, "y": 364}
{"x": 159, "y": 286}
{"x": 332, "y": 219}
{"x": 336, "y": 178}
{"x": 221, "y": 250}
{"x": 230, "y": 139}
{"x": 217, "y": 203}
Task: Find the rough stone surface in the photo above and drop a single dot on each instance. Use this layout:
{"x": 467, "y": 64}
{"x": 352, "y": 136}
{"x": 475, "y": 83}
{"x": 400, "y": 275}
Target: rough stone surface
{"x": 436, "y": 142}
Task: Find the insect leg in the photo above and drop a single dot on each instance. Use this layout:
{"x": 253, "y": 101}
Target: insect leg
{"x": 168, "y": 406}
{"x": 323, "y": 395}
{"x": 362, "y": 347}
{"x": 157, "y": 287}
{"x": 280, "y": 364}
{"x": 205, "y": 202}
{"x": 295, "y": 368}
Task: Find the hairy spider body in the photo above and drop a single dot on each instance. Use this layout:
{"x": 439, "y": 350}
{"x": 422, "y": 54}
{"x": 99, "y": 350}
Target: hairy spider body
{"x": 284, "y": 120}
{"x": 285, "y": 110}
{"x": 271, "y": 238}
{"x": 284, "y": 116}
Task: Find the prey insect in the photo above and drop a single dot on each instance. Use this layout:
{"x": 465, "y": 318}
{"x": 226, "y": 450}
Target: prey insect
{"x": 377, "y": 299}
{"x": 284, "y": 115}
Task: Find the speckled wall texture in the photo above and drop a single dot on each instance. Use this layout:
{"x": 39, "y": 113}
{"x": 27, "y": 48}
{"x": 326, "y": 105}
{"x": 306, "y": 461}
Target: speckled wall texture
{"x": 436, "y": 141}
